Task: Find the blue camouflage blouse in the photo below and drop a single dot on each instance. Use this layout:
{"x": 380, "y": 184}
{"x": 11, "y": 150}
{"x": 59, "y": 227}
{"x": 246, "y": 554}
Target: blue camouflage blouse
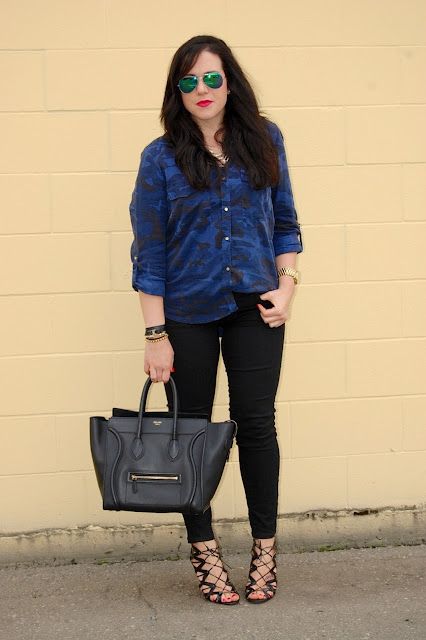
{"x": 194, "y": 248}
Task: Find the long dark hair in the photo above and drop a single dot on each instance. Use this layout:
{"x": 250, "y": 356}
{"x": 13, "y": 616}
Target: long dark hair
{"x": 244, "y": 135}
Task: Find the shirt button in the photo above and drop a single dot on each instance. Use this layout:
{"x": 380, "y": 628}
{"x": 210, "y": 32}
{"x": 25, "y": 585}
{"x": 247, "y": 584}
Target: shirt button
{"x": 225, "y": 208}
{"x": 135, "y": 258}
{"x": 223, "y": 178}
{"x": 226, "y": 237}
{"x": 228, "y": 268}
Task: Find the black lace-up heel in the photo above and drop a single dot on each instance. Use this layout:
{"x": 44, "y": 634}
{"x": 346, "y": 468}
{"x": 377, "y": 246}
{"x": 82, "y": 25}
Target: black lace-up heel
{"x": 263, "y": 573}
{"x": 214, "y": 588}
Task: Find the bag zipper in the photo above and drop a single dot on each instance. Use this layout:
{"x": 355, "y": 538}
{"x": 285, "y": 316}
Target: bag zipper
{"x": 135, "y": 477}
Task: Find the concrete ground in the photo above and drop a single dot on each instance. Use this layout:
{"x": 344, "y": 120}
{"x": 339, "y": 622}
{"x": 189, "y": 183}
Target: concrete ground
{"x": 377, "y": 594}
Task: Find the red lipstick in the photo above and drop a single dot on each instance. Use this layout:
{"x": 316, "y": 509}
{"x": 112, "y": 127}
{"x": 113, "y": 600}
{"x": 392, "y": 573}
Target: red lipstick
{"x": 204, "y": 103}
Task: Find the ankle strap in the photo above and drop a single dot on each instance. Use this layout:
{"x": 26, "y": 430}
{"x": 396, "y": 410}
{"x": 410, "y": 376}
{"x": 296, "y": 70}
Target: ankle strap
{"x": 268, "y": 549}
{"x": 209, "y": 550}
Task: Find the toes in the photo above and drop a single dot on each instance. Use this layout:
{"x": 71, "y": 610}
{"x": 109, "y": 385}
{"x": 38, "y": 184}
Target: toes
{"x": 224, "y": 597}
{"x": 230, "y": 597}
{"x": 260, "y": 595}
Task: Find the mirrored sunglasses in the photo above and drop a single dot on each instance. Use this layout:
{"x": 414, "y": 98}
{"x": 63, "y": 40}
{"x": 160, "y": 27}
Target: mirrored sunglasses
{"x": 213, "y": 80}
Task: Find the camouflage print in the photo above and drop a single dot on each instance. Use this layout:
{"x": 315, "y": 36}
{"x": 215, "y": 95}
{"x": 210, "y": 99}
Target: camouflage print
{"x": 194, "y": 248}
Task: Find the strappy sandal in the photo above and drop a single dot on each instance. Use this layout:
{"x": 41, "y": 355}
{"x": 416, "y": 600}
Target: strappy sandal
{"x": 214, "y": 588}
{"x": 264, "y": 567}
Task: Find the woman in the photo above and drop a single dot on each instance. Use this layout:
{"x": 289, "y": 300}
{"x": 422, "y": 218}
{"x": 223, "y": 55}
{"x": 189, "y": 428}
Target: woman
{"x": 214, "y": 253}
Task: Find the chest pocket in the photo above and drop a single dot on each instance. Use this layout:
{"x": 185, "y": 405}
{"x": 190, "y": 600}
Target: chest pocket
{"x": 187, "y": 206}
{"x": 178, "y": 187}
{"x": 256, "y": 204}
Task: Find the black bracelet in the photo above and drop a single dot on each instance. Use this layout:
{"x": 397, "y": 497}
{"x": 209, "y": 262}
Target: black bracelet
{"x": 152, "y": 331}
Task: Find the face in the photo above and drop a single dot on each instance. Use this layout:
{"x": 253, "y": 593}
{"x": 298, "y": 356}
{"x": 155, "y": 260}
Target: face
{"x": 203, "y": 103}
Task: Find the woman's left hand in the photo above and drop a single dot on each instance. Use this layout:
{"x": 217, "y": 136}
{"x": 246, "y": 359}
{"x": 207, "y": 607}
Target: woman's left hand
{"x": 281, "y": 299}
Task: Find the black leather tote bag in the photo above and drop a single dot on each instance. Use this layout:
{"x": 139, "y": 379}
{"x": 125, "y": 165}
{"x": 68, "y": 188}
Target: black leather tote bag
{"x": 159, "y": 462}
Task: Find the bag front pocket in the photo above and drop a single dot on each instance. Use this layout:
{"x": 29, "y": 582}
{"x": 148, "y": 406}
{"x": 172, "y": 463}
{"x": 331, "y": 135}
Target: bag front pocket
{"x": 153, "y": 489}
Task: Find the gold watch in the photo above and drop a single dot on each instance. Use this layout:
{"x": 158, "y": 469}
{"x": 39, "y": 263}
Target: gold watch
{"x": 286, "y": 271}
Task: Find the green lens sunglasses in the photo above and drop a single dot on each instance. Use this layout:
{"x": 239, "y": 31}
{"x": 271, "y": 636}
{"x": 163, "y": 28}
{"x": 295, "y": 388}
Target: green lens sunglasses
{"x": 213, "y": 79}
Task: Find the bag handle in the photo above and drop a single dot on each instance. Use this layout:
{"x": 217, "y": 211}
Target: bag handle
{"x": 137, "y": 446}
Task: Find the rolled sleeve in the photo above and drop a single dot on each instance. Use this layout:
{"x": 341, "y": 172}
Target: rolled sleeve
{"x": 148, "y": 214}
{"x": 287, "y": 236}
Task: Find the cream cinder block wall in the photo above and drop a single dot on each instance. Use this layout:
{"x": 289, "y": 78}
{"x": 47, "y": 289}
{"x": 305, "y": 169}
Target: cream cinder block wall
{"x": 82, "y": 84}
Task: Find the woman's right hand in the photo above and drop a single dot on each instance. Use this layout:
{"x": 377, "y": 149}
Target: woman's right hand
{"x": 158, "y": 360}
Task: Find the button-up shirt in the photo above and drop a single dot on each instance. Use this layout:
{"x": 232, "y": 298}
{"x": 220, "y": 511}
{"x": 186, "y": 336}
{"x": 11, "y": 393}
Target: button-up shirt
{"x": 194, "y": 248}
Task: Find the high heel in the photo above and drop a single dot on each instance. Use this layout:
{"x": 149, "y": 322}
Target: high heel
{"x": 264, "y": 566}
{"x": 214, "y": 588}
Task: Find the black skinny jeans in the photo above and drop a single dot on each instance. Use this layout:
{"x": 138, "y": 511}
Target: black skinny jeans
{"x": 252, "y": 353}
